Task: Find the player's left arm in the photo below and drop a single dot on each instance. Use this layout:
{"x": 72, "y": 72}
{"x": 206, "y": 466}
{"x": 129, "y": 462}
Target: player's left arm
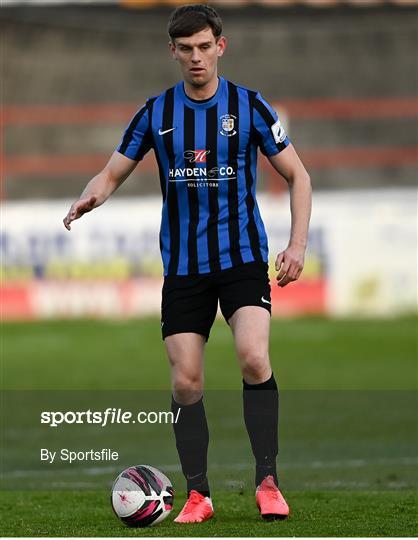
{"x": 290, "y": 262}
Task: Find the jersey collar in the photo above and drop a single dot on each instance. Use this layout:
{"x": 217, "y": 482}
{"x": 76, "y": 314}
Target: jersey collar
{"x": 206, "y": 104}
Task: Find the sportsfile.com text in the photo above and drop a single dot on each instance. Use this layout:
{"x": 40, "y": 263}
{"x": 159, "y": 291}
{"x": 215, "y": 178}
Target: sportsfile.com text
{"x": 108, "y": 416}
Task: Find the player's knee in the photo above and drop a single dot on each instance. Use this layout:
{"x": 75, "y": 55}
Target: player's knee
{"x": 183, "y": 382}
{"x": 255, "y": 365}
{"x": 187, "y": 388}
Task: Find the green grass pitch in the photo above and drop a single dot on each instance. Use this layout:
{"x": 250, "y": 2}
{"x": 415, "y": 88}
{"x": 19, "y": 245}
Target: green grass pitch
{"x": 348, "y": 443}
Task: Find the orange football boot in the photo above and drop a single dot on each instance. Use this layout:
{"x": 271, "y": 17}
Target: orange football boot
{"x": 197, "y": 509}
{"x": 270, "y": 501}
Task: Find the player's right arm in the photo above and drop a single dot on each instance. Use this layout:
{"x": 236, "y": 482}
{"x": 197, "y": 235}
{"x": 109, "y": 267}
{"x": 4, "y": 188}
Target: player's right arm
{"x": 135, "y": 143}
{"x": 101, "y": 187}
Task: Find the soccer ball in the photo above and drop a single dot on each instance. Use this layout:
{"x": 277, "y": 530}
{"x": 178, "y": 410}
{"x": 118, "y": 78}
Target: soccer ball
{"x": 142, "y": 496}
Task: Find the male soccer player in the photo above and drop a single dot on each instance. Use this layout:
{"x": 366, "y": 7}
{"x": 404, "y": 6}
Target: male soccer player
{"x": 205, "y": 132}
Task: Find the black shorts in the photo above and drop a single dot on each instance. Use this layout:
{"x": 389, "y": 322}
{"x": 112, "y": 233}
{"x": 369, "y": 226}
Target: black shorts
{"x": 190, "y": 303}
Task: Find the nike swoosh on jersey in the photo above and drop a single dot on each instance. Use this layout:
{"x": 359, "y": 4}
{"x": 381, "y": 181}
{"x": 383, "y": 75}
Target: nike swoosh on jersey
{"x": 265, "y": 301}
{"x": 165, "y": 131}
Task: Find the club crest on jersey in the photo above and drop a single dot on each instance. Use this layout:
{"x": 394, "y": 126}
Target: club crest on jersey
{"x": 196, "y": 156}
{"x": 228, "y": 125}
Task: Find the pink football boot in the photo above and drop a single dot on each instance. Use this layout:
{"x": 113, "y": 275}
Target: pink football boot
{"x": 270, "y": 501}
{"x": 197, "y": 509}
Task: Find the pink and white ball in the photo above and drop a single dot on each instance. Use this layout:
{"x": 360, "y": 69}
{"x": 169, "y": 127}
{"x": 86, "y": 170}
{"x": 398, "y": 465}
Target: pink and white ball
{"x": 142, "y": 496}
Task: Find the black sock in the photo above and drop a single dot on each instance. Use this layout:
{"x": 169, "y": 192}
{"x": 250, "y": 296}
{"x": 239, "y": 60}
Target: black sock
{"x": 261, "y": 416}
{"x": 192, "y": 440}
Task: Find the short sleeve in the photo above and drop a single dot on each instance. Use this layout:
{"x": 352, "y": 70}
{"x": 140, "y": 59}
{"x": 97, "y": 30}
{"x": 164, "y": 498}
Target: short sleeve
{"x": 137, "y": 139}
{"x": 271, "y": 135}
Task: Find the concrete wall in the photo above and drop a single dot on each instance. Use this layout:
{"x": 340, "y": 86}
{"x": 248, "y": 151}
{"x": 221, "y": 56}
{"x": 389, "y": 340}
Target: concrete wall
{"x": 73, "y": 55}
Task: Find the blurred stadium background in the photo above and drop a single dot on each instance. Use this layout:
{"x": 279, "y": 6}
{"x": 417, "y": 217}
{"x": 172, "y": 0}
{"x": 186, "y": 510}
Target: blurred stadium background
{"x": 343, "y": 76}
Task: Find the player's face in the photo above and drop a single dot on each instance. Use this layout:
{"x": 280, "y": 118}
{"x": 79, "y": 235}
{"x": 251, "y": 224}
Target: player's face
{"x": 198, "y": 56}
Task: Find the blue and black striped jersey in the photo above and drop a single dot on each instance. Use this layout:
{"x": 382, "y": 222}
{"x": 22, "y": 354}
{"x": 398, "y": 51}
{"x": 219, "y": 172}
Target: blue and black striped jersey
{"x": 207, "y": 158}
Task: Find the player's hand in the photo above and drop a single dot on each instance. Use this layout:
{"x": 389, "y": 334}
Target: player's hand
{"x": 289, "y": 264}
{"x": 77, "y": 209}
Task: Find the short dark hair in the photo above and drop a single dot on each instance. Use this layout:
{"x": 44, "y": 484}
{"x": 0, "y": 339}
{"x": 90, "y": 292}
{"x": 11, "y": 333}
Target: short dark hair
{"x": 187, "y": 20}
